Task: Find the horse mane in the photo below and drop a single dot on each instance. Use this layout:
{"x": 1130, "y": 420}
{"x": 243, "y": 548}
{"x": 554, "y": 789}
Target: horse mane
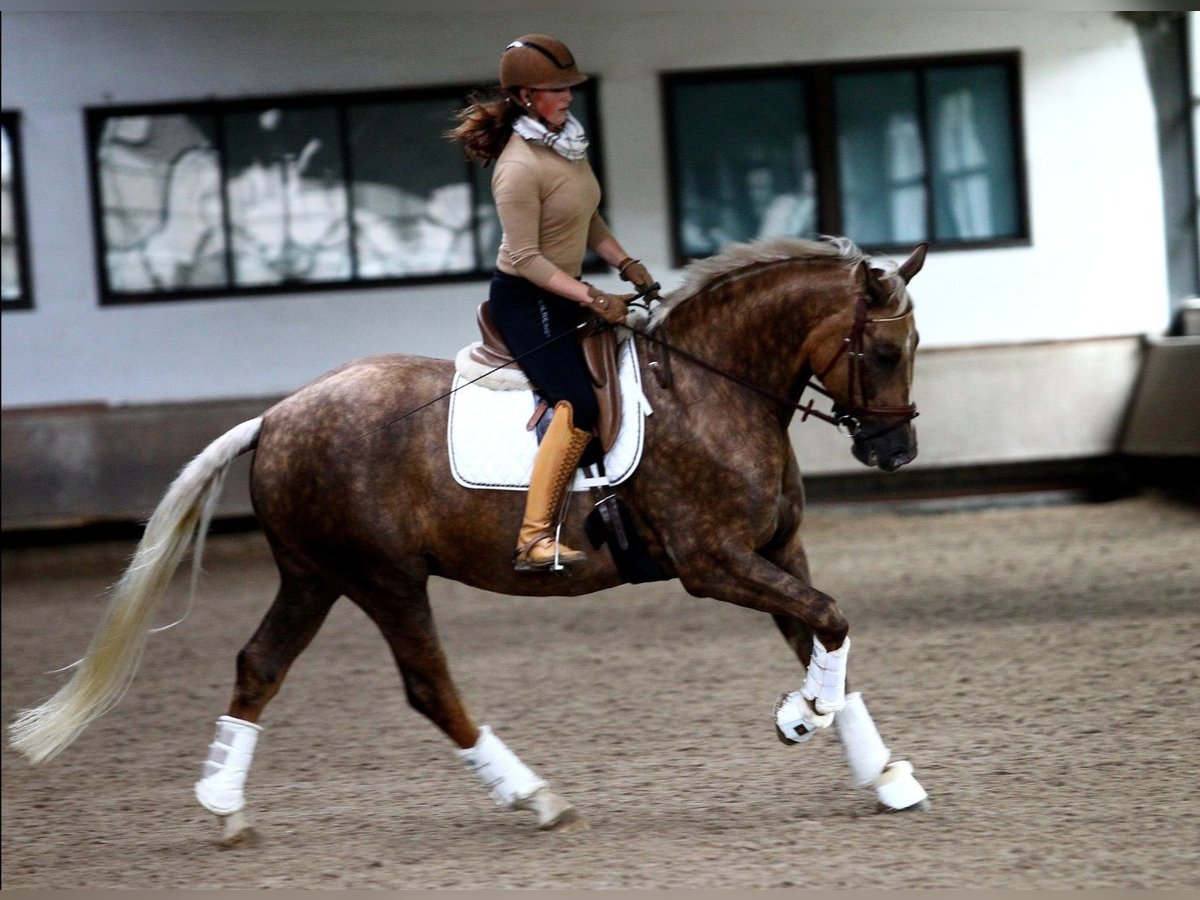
{"x": 701, "y": 274}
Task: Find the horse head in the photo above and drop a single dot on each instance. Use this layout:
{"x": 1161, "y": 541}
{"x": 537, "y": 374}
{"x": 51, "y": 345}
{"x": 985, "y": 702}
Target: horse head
{"x": 865, "y": 362}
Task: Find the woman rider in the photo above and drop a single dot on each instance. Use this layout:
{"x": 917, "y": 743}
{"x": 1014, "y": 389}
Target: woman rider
{"x": 547, "y": 198}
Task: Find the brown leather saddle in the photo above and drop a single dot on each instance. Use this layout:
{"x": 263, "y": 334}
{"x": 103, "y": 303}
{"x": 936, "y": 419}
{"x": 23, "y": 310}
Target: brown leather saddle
{"x": 599, "y": 347}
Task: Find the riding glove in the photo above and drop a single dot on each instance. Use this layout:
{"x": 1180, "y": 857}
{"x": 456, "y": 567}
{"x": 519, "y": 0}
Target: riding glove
{"x": 612, "y": 308}
{"x": 635, "y": 273}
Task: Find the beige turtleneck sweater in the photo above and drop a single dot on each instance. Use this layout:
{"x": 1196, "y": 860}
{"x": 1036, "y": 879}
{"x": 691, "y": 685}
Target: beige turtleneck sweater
{"x": 549, "y": 210}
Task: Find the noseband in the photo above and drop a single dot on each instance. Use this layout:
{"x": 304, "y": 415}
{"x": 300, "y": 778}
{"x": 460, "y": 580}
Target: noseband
{"x": 845, "y": 417}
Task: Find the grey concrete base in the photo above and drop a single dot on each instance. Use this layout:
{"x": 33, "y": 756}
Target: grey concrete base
{"x": 80, "y": 466}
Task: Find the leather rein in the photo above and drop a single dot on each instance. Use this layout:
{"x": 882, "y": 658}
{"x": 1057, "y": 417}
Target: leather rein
{"x": 846, "y": 418}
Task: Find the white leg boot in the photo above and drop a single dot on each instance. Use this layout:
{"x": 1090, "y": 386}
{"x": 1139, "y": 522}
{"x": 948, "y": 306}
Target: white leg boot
{"x": 513, "y": 785}
{"x": 894, "y": 784}
{"x": 221, "y": 788}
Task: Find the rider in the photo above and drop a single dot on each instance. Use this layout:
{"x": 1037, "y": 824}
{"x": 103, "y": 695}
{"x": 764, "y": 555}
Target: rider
{"x": 547, "y": 198}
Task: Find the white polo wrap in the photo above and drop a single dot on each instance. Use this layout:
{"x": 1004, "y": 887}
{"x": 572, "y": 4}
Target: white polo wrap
{"x": 221, "y": 788}
{"x": 501, "y": 771}
{"x": 864, "y": 748}
{"x": 825, "y": 681}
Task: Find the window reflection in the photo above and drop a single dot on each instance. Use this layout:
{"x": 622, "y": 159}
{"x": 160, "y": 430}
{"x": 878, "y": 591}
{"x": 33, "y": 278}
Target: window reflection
{"x": 160, "y": 196}
{"x": 287, "y": 197}
{"x": 212, "y": 197}
{"x": 974, "y": 159}
{"x": 412, "y": 196}
{"x": 889, "y": 154}
{"x": 744, "y": 169}
{"x": 881, "y": 160}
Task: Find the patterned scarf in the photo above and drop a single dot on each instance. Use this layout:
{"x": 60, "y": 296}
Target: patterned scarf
{"x": 569, "y": 142}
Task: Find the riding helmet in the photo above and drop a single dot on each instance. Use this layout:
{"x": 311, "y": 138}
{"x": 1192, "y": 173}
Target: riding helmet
{"x": 538, "y": 61}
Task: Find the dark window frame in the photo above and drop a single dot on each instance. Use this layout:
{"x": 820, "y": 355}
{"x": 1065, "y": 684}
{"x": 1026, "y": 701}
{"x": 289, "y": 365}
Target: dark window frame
{"x": 815, "y": 81}
{"x": 456, "y": 96}
{"x": 12, "y": 124}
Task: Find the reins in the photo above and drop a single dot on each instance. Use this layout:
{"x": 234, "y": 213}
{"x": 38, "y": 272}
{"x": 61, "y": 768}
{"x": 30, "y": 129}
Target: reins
{"x": 845, "y": 418}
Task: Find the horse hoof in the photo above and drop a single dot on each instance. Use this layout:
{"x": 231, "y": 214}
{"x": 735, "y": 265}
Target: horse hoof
{"x": 919, "y": 806}
{"x": 566, "y": 823}
{"x": 553, "y": 812}
{"x": 237, "y": 833}
{"x": 245, "y": 839}
{"x": 784, "y": 739}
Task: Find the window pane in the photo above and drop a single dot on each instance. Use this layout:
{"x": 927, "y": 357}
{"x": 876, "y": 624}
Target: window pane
{"x": 744, "y": 165}
{"x": 411, "y": 193}
{"x": 160, "y": 203}
{"x": 974, "y": 166}
{"x": 881, "y": 162}
{"x": 244, "y": 197}
{"x": 13, "y": 289}
{"x": 287, "y": 196}
{"x": 487, "y": 229}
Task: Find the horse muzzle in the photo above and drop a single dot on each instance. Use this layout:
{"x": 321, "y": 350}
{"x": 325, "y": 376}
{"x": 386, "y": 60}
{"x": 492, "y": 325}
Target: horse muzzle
{"x": 886, "y": 447}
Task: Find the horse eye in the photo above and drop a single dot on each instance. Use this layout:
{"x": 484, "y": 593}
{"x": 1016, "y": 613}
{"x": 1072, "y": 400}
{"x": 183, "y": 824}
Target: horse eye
{"x": 887, "y": 355}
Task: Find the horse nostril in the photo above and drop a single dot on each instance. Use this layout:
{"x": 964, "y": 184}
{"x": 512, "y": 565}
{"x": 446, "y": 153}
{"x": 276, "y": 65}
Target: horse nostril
{"x": 895, "y": 461}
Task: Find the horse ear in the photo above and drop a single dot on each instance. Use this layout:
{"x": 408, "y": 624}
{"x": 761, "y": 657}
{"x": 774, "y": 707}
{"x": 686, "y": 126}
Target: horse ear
{"x": 912, "y": 265}
{"x": 878, "y": 291}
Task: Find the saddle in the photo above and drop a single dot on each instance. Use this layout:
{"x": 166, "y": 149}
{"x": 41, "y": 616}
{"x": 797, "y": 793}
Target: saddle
{"x": 599, "y": 346}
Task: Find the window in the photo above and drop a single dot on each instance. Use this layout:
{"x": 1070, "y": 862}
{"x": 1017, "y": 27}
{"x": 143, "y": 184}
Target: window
{"x": 288, "y": 194}
{"x": 889, "y": 154}
{"x": 14, "y": 264}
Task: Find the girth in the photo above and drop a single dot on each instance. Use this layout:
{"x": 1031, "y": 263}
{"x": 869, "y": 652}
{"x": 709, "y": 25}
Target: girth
{"x": 599, "y": 346}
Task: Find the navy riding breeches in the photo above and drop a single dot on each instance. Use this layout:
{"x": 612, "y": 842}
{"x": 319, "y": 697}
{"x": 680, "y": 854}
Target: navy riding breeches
{"x": 528, "y": 317}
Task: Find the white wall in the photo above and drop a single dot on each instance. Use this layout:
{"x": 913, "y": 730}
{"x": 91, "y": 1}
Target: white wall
{"x": 1096, "y": 266}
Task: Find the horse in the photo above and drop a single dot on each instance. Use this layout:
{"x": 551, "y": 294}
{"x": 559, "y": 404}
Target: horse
{"x": 357, "y": 500}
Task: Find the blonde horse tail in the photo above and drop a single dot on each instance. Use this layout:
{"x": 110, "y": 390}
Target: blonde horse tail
{"x": 108, "y": 666}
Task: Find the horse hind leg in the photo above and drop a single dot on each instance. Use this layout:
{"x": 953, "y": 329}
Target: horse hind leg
{"x": 295, "y": 617}
{"x": 406, "y": 622}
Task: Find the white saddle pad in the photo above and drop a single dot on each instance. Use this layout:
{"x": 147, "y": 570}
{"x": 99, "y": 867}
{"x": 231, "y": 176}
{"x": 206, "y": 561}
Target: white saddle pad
{"x": 490, "y": 448}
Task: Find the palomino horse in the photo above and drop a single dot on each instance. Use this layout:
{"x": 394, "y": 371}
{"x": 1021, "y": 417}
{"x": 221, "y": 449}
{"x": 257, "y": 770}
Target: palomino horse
{"x": 357, "y": 500}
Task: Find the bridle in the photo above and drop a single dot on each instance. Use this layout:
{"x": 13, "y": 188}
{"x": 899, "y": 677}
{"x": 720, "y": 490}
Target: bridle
{"x": 847, "y": 418}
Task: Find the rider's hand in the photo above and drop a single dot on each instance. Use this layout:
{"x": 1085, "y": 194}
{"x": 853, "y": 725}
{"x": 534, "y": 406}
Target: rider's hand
{"x": 612, "y": 308}
{"x": 635, "y": 273}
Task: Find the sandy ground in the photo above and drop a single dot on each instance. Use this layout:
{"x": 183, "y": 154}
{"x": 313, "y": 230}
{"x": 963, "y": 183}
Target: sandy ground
{"x": 1039, "y": 665}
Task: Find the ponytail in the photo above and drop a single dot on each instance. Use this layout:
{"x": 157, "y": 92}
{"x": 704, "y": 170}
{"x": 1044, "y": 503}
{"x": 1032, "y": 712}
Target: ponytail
{"x": 485, "y": 125}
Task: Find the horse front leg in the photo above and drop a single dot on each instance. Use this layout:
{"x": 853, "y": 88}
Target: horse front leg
{"x": 812, "y": 621}
{"x": 869, "y": 759}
